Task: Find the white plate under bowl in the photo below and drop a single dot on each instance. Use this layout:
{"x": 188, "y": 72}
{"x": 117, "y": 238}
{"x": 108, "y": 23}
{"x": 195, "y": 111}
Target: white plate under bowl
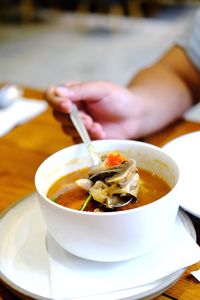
{"x": 24, "y": 258}
{"x": 186, "y": 152}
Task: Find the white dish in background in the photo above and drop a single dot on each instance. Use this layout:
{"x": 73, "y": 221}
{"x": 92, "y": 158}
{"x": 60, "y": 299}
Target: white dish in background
{"x": 185, "y": 150}
{"x": 27, "y": 267}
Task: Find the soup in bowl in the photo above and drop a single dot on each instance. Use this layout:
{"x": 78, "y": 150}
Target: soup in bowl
{"x": 79, "y": 201}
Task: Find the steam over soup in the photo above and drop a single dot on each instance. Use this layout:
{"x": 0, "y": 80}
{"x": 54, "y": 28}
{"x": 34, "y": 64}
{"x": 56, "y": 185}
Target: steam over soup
{"x": 100, "y": 187}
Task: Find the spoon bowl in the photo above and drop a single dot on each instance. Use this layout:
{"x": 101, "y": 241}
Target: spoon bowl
{"x": 122, "y": 201}
{"x": 9, "y": 94}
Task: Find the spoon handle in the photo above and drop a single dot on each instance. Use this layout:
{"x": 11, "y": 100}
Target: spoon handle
{"x": 80, "y": 127}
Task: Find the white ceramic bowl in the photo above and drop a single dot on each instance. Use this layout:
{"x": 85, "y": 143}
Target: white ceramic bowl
{"x": 113, "y": 236}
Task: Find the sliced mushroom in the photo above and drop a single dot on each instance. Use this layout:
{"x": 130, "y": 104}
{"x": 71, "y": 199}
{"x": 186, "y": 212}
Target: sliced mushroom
{"x": 113, "y": 187}
{"x": 130, "y": 189}
{"x": 126, "y": 170}
{"x": 101, "y": 174}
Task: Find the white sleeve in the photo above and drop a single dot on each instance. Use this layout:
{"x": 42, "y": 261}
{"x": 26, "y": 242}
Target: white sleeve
{"x": 190, "y": 41}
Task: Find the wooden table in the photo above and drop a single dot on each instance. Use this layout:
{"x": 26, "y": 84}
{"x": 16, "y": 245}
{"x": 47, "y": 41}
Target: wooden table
{"x": 26, "y": 146}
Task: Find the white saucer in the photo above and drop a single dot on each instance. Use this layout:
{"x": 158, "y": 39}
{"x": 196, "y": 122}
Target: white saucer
{"x": 24, "y": 259}
{"x": 186, "y": 152}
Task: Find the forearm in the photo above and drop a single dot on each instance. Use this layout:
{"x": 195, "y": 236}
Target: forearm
{"x": 173, "y": 76}
{"x": 160, "y": 85}
{"x": 164, "y": 92}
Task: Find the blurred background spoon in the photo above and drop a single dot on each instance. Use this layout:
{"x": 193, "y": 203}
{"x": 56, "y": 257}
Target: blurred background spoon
{"x": 9, "y": 94}
{"x": 80, "y": 127}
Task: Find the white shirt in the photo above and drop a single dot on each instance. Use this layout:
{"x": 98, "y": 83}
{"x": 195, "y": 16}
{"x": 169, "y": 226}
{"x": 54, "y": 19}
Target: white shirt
{"x": 190, "y": 42}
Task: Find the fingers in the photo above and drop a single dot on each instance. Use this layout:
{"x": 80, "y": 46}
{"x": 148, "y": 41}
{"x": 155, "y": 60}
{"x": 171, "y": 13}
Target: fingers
{"x": 61, "y": 98}
{"x": 59, "y": 101}
{"x": 94, "y": 129}
{"x": 96, "y": 132}
{"x": 82, "y": 91}
{"x": 64, "y": 119}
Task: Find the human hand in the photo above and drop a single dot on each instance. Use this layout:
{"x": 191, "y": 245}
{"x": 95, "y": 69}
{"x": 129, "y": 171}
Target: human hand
{"x": 107, "y": 110}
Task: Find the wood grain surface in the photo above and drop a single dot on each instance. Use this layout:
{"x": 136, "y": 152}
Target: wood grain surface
{"x": 27, "y": 145}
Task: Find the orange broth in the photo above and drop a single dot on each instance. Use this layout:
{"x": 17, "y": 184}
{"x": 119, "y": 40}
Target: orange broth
{"x": 70, "y": 195}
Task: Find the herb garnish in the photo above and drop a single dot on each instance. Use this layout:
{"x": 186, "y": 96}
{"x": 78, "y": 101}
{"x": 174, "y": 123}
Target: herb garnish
{"x": 54, "y": 198}
{"x": 86, "y": 202}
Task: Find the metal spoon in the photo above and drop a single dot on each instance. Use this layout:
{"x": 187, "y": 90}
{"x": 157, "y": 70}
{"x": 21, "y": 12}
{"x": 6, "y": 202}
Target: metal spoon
{"x": 80, "y": 127}
{"x": 122, "y": 201}
{"x": 9, "y": 94}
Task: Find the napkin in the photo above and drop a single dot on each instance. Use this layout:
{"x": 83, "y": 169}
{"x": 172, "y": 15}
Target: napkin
{"x": 72, "y": 277}
{"x": 21, "y": 111}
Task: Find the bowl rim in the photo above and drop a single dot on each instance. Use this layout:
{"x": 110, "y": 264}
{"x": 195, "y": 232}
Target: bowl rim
{"x": 111, "y": 213}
